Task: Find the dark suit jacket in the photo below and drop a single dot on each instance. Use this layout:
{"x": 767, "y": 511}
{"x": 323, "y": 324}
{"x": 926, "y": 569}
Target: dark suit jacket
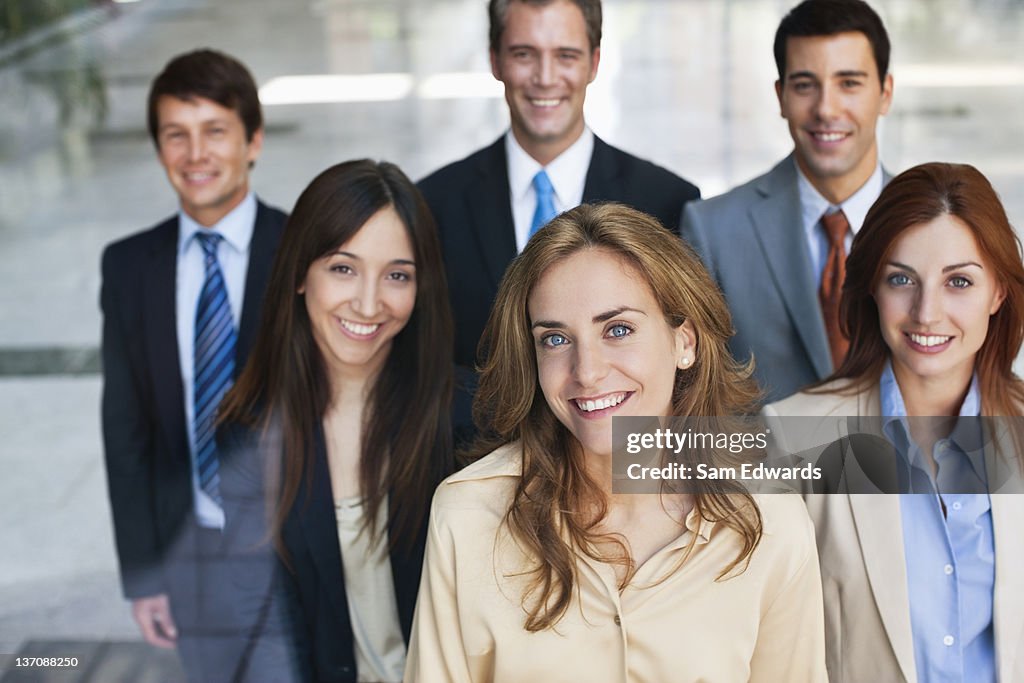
{"x": 470, "y": 201}
{"x": 149, "y": 469}
{"x": 302, "y": 630}
{"x": 752, "y": 241}
{"x": 322, "y": 634}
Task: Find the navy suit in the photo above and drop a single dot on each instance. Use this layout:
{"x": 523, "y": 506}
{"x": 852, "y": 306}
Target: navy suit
{"x": 149, "y": 465}
{"x": 471, "y": 204}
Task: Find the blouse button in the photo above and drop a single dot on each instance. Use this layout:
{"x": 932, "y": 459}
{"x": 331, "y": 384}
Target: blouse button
{"x": 618, "y": 621}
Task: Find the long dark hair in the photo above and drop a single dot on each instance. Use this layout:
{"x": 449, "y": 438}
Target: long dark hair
{"x": 555, "y": 494}
{"x": 406, "y": 446}
{"x": 916, "y": 196}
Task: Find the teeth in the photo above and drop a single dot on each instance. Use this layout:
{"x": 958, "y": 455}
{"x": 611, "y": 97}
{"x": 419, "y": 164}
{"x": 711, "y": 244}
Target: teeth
{"x": 356, "y": 328}
{"x": 198, "y": 176}
{"x": 928, "y": 340}
{"x": 830, "y": 137}
{"x": 545, "y": 103}
{"x": 589, "y": 406}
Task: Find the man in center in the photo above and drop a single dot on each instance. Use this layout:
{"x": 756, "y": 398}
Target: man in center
{"x": 546, "y": 53}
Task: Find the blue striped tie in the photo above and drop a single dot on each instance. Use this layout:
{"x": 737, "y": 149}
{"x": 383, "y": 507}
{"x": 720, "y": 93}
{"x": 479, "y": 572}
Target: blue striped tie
{"x": 545, "y": 210}
{"x": 214, "y": 354}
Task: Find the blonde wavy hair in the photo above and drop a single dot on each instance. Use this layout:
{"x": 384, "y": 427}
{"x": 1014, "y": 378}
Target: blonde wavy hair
{"x": 556, "y": 506}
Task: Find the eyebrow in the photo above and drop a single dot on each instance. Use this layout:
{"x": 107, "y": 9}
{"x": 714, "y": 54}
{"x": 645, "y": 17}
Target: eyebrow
{"x": 599, "y": 318}
{"x": 845, "y": 73}
{"x": 946, "y": 269}
{"x": 355, "y": 257}
{"x": 561, "y": 48}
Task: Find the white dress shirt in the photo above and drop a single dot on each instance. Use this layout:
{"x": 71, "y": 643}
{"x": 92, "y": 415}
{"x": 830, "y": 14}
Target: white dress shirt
{"x": 568, "y": 174}
{"x": 813, "y": 206}
{"x": 233, "y": 254}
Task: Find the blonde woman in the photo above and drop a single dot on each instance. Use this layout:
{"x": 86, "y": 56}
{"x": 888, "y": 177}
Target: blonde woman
{"x": 535, "y": 570}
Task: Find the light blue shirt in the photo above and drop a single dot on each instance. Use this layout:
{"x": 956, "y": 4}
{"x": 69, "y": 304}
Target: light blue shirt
{"x": 813, "y": 206}
{"x": 233, "y": 255}
{"x": 567, "y": 173}
{"x": 950, "y": 559}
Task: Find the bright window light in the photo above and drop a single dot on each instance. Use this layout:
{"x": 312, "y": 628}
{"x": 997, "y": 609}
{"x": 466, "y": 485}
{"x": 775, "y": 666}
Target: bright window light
{"x": 321, "y": 89}
{"x": 460, "y": 86}
{"x": 981, "y": 75}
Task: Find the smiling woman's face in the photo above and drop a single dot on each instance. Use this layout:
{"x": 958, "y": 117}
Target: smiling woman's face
{"x": 935, "y": 296}
{"x": 361, "y": 295}
{"x": 603, "y": 346}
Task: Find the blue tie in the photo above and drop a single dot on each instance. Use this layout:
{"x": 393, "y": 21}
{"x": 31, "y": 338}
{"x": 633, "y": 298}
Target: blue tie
{"x": 545, "y": 201}
{"x": 214, "y": 354}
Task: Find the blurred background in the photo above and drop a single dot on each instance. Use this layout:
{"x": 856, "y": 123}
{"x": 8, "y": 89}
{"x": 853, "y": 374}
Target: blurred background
{"x": 685, "y": 83}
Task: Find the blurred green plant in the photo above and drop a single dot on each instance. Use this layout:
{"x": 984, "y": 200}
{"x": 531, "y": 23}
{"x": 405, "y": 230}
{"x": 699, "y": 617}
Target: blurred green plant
{"x": 18, "y": 17}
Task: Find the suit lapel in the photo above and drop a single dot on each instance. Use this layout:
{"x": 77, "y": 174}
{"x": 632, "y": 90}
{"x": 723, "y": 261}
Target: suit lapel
{"x": 161, "y": 335}
{"x": 1003, "y": 472}
{"x": 780, "y": 234}
{"x": 490, "y": 209}
{"x": 877, "y": 518}
{"x": 261, "y": 257}
{"x": 881, "y": 541}
{"x": 601, "y": 174}
{"x": 319, "y": 525}
{"x": 1008, "y": 601}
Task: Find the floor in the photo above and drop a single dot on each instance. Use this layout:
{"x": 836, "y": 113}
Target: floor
{"x": 686, "y": 83}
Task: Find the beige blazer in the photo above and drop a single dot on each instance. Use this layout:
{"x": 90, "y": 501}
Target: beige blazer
{"x": 863, "y": 570}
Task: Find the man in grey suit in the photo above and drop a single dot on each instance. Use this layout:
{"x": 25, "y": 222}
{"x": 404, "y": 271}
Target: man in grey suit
{"x": 777, "y": 245}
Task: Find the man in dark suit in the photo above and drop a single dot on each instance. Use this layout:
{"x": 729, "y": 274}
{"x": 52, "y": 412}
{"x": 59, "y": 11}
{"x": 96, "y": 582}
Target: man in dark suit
{"x": 546, "y": 53}
{"x": 181, "y": 303}
{"x": 777, "y": 245}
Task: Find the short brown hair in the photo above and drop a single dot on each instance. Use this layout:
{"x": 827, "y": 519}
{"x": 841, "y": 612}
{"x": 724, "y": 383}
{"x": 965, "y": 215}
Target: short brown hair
{"x": 497, "y": 10}
{"x": 213, "y": 75}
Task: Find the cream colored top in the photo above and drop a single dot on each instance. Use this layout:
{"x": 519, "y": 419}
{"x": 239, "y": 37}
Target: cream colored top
{"x": 370, "y": 590}
{"x": 765, "y": 624}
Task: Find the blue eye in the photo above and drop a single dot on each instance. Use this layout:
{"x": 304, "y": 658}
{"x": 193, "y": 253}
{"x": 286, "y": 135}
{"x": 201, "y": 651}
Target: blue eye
{"x": 898, "y": 279}
{"x": 619, "y": 331}
{"x": 554, "y": 339}
{"x": 959, "y": 282}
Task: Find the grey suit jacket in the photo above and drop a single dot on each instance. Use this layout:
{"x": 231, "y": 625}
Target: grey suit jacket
{"x": 868, "y": 635}
{"x": 752, "y": 241}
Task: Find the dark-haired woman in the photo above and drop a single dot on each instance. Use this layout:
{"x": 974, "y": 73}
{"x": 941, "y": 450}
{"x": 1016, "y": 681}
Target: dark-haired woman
{"x": 928, "y": 587}
{"x": 536, "y": 570}
{"x": 346, "y": 398}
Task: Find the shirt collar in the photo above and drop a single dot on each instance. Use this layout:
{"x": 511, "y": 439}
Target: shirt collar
{"x": 236, "y": 227}
{"x": 813, "y": 206}
{"x": 965, "y": 434}
{"x": 567, "y": 171}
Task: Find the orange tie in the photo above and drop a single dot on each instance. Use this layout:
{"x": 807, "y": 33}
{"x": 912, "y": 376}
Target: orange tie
{"x": 836, "y": 227}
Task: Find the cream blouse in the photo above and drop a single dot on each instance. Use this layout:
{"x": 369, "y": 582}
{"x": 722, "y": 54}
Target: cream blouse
{"x": 764, "y": 624}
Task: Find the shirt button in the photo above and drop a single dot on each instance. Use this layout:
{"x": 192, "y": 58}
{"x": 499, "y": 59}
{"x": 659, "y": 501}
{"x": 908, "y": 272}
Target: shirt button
{"x": 957, "y": 505}
{"x": 618, "y": 621}
{"x": 947, "y": 641}
{"x": 948, "y": 569}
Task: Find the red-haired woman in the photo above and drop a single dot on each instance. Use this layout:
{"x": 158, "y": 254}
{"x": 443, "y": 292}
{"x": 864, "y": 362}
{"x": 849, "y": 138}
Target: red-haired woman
{"x": 928, "y": 587}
